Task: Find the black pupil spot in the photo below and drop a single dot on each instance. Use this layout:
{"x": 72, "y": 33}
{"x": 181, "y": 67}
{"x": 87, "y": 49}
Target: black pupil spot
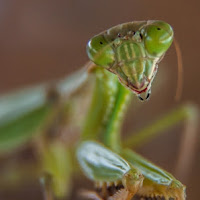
{"x": 158, "y": 29}
{"x": 101, "y": 42}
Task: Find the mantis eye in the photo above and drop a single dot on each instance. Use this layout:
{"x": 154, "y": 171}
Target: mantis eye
{"x": 100, "y": 51}
{"x": 158, "y": 38}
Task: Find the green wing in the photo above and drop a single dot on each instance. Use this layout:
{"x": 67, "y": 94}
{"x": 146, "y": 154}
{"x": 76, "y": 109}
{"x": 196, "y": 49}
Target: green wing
{"x": 100, "y": 163}
{"x": 157, "y": 181}
{"x": 148, "y": 169}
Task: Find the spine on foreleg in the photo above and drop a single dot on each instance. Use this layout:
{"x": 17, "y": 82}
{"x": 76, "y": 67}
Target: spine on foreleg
{"x": 122, "y": 194}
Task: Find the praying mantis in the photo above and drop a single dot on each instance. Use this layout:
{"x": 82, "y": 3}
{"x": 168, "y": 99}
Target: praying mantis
{"x": 123, "y": 61}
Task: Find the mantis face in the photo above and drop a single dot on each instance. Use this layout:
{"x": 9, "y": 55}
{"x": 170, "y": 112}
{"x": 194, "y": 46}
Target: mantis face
{"x": 132, "y": 51}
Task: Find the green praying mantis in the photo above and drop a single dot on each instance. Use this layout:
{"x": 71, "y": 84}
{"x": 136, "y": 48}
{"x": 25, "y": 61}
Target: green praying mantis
{"x": 51, "y": 118}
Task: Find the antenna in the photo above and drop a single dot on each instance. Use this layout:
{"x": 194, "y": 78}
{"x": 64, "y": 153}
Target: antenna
{"x": 179, "y": 87}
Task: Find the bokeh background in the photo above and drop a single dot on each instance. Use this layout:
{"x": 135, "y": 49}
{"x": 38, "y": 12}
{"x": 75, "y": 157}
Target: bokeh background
{"x": 45, "y": 40}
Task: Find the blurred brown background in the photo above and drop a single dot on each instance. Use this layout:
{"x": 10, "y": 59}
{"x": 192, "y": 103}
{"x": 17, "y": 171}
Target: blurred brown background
{"x": 45, "y": 40}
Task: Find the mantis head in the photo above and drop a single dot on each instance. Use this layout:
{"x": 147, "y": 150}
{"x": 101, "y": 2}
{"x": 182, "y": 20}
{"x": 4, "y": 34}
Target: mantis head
{"x": 132, "y": 51}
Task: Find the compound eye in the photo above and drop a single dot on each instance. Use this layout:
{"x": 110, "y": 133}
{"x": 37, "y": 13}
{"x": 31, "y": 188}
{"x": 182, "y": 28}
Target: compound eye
{"x": 100, "y": 51}
{"x": 158, "y": 38}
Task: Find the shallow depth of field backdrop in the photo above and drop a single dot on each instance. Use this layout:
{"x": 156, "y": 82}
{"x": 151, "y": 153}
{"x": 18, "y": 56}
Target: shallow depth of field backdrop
{"x": 45, "y": 40}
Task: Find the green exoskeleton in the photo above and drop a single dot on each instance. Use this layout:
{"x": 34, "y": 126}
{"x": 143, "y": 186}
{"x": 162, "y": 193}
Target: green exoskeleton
{"x": 109, "y": 171}
{"x": 51, "y": 118}
{"x": 132, "y": 51}
{"x": 116, "y": 178}
{"x": 157, "y": 183}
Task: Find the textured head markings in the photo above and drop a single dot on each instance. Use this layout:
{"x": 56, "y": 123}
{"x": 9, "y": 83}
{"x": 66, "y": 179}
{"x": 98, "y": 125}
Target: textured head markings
{"x": 132, "y": 51}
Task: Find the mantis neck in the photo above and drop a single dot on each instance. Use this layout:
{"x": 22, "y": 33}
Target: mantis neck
{"x": 109, "y": 102}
